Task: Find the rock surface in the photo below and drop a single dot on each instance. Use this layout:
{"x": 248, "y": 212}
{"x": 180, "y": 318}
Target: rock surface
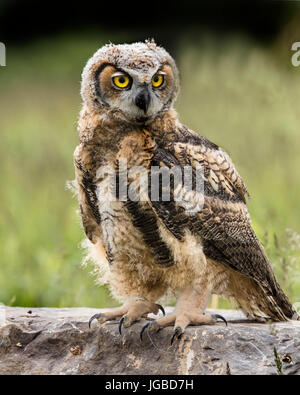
{"x": 58, "y": 341}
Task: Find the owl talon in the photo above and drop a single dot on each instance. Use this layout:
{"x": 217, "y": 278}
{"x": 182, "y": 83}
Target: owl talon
{"x": 216, "y": 316}
{"x": 94, "y": 317}
{"x": 120, "y": 324}
{"x": 151, "y": 325}
{"x": 178, "y": 332}
{"x": 143, "y": 329}
{"x": 161, "y": 309}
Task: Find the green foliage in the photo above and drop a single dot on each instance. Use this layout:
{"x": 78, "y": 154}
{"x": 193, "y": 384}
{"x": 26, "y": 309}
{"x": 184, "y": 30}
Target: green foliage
{"x": 278, "y": 362}
{"x": 237, "y": 96}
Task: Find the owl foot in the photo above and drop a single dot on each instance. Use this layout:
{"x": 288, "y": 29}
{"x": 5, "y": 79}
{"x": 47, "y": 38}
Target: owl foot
{"x": 181, "y": 321}
{"x": 129, "y": 313}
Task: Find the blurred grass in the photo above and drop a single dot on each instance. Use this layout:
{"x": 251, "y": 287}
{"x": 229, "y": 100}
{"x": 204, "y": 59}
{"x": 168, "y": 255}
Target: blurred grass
{"x": 238, "y": 96}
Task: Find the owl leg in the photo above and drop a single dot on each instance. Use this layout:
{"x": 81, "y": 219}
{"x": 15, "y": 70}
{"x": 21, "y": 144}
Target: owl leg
{"x": 189, "y": 310}
{"x": 134, "y": 309}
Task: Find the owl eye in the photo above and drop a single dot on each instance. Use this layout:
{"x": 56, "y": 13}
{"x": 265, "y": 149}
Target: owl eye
{"x": 121, "y": 81}
{"x": 158, "y": 80}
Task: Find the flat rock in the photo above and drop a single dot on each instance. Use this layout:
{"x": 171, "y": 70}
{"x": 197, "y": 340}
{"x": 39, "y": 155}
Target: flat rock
{"x": 59, "y": 341}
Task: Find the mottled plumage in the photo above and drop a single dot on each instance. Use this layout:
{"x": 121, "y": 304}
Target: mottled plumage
{"x": 144, "y": 249}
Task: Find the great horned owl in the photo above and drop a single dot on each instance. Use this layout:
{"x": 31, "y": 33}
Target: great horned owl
{"x": 146, "y": 248}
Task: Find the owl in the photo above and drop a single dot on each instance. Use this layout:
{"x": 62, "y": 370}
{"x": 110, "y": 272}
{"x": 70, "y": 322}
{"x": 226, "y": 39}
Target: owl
{"x": 186, "y": 241}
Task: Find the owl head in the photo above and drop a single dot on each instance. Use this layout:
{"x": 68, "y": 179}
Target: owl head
{"x": 134, "y": 83}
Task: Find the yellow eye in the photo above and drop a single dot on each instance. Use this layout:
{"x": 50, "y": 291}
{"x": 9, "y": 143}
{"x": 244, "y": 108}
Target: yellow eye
{"x": 157, "y": 80}
{"x": 121, "y": 81}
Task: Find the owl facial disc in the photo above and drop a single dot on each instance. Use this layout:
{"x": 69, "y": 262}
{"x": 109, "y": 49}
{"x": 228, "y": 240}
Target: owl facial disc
{"x": 134, "y": 83}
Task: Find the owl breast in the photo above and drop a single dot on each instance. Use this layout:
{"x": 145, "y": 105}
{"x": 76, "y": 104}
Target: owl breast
{"x": 137, "y": 244}
{"x": 120, "y": 237}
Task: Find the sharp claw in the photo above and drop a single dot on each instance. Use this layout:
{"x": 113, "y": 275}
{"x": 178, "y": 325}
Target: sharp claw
{"x": 176, "y": 334}
{"x": 161, "y": 308}
{"x": 143, "y": 330}
{"x": 120, "y": 325}
{"x": 216, "y": 316}
{"x": 95, "y": 317}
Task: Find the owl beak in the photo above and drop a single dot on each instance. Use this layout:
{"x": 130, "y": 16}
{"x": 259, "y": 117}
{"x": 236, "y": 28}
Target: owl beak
{"x": 142, "y": 100}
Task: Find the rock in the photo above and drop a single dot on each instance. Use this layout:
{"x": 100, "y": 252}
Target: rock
{"x": 58, "y": 341}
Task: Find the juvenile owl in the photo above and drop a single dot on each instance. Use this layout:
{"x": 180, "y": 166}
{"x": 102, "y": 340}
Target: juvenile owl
{"x": 149, "y": 237}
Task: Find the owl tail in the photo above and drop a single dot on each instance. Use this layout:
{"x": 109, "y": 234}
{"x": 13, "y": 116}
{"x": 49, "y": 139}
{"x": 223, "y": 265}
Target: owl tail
{"x": 276, "y": 304}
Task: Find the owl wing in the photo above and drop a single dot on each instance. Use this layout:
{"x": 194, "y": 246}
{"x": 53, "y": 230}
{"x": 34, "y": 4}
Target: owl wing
{"x": 223, "y": 224}
{"x": 85, "y": 185}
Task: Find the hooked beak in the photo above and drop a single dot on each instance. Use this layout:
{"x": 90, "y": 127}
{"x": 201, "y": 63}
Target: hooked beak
{"x": 142, "y": 100}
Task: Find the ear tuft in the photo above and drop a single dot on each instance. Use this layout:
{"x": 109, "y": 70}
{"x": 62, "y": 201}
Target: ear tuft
{"x": 150, "y": 42}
